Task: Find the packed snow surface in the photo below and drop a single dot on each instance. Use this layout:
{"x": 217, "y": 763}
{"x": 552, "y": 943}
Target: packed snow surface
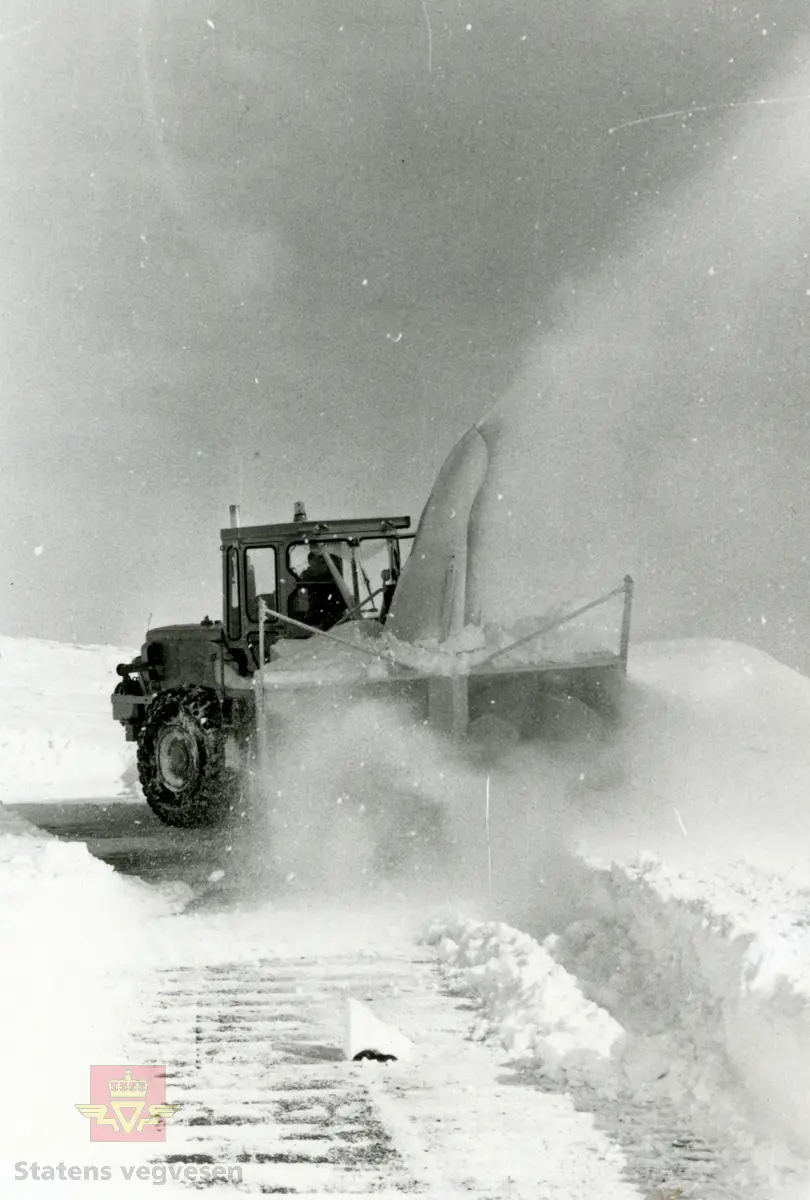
{"x": 69, "y": 1006}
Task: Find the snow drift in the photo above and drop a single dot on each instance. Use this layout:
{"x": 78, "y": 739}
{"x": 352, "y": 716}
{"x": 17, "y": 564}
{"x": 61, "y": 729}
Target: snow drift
{"x": 73, "y": 939}
{"x": 679, "y": 909}
{"x": 57, "y": 736}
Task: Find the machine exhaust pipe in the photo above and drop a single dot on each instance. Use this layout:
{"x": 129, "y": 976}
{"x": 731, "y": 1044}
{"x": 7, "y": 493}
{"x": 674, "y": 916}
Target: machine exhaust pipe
{"x": 234, "y": 516}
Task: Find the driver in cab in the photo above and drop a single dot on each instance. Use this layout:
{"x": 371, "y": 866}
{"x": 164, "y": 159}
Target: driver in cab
{"x": 326, "y": 604}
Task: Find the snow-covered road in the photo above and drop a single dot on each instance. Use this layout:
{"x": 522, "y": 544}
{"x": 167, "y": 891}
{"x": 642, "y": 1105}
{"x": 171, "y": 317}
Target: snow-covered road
{"x": 255, "y": 1037}
{"x": 246, "y": 1006}
{"x": 625, "y": 1015}
{"x": 130, "y": 838}
{"x": 534, "y": 1073}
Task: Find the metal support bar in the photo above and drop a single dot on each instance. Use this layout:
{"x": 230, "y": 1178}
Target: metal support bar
{"x": 556, "y": 623}
{"x": 448, "y": 704}
{"x": 624, "y": 644}
{"x": 352, "y": 612}
{"x": 340, "y": 582}
{"x": 261, "y": 722}
{"x": 271, "y": 612}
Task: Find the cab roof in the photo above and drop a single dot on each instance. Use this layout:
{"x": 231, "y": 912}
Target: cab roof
{"x": 320, "y": 530}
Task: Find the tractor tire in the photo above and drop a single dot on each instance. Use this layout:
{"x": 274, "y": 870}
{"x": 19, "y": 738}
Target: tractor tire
{"x": 181, "y": 759}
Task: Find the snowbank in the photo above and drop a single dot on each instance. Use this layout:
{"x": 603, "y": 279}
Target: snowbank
{"x": 58, "y": 740}
{"x": 697, "y": 1033}
{"x": 678, "y": 975}
{"x": 74, "y": 944}
{"x": 530, "y": 1003}
{"x": 704, "y": 844}
{"x": 713, "y": 975}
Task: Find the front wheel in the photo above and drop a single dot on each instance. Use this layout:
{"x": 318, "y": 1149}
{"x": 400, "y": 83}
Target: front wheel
{"x": 181, "y": 759}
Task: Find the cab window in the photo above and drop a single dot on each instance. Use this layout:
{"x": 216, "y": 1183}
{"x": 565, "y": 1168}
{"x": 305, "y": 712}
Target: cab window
{"x": 366, "y": 565}
{"x": 318, "y": 600}
{"x": 234, "y": 614}
{"x": 260, "y": 579}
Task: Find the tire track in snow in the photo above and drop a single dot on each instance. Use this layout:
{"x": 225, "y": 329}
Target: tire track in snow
{"x": 666, "y": 1156}
{"x": 251, "y": 1049}
{"x": 259, "y": 1088}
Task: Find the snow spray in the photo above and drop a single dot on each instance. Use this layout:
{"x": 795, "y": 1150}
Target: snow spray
{"x": 662, "y": 428}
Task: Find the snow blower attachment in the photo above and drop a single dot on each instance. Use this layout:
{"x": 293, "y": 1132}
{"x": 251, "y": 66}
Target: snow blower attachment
{"x": 561, "y": 673}
{"x": 322, "y": 614}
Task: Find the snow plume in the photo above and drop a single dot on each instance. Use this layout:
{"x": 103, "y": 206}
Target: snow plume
{"x": 660, "y": 428}
{"x": 351, "y": 792}
{"x": 358, "y": 791}
{"x": 715, "y": 760}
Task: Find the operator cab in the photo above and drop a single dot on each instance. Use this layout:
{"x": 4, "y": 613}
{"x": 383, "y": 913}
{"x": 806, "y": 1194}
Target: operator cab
{"x": 311, "y": 575}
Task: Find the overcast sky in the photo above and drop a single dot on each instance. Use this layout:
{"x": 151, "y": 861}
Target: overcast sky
{"x": 260, "y": 252}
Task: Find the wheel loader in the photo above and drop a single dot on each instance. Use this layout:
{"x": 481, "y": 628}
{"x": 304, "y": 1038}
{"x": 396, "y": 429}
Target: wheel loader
{"x": 336, "y": 610}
